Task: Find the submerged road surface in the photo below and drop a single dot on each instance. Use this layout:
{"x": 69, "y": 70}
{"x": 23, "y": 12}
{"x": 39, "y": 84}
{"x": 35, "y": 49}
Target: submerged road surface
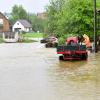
{"x": 32, "y": 72}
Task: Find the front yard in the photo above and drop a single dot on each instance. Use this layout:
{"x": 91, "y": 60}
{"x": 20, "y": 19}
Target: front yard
{"x": 33, "y": 35}
{"x": 28, "y": 37}
{"x": 1, "y": 40}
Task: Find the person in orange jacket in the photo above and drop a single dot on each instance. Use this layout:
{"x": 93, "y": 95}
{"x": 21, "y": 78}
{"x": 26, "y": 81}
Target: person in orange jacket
{"x": 86, "y": 41}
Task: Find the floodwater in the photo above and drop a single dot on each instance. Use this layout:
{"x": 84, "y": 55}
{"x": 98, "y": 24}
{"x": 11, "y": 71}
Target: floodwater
{"x": 32, "y": 72}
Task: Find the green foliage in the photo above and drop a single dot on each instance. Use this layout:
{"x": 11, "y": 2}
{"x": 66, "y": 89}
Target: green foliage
{"x": 62, "y": 41}
{"x": 38, "y": 23}
{"x": 71, "y": 17}
{"x": 1, "y": 40}
{"x": 18, "y": 12}
{"x": 33, "y": 35}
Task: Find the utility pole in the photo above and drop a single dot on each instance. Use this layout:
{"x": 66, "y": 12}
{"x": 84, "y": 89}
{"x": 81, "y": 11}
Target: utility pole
{"x": 95, "y": 28}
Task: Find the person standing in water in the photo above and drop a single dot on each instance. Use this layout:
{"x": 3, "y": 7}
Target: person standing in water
{"x": 86, "y": 41}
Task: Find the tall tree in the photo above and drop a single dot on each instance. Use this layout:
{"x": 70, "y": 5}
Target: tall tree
{"x": 37, "y": 23}
{"x": 71, "y": 16}
{"x": 18, "y": 12}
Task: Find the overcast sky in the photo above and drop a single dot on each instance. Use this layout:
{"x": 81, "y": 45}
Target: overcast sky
{"x": 33, "y": 6}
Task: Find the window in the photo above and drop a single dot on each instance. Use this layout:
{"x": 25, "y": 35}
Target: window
{"x": 1, "y": 21}
{"x": 1, "y": 24}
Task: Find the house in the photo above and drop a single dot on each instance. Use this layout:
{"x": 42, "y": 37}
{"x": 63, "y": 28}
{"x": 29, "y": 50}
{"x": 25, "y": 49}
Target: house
{"x": 22, "y": 25}
{"x": 4, "y": 23}
{"x": 42, "y": 15}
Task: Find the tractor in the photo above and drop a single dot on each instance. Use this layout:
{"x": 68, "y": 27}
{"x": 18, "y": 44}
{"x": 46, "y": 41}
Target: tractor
{"x": 74, "y": 49}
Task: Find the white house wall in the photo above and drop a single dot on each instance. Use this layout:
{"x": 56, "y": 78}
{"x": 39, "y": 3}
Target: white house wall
{"x": 18, "y": 25}
{"x": 27, "y": 30}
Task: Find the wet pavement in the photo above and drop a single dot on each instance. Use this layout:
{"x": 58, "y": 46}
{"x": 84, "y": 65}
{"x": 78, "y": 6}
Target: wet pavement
{"x": 32, "y": 72}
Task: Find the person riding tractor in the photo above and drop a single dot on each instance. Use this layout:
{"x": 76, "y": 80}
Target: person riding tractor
{"x": 75, "y": 48}
{"x": 84, "y": 39}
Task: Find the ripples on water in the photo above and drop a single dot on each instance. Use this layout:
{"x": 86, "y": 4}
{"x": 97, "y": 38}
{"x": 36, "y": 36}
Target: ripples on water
{"x": 32, "y": 72}
{"x": 79, "y": 78}
{"x": 69, "y": 80}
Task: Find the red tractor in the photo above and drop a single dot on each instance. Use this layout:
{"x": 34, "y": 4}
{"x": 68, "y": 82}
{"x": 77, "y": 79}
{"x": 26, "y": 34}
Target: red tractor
{"x": 73, "y": 50}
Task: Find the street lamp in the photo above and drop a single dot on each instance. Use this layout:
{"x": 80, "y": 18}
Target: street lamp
{"x": 95, "y": 28}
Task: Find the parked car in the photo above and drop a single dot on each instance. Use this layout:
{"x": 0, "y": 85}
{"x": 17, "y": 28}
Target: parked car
{"x": 52, "y": 42}
{"x": 45, "y": 40}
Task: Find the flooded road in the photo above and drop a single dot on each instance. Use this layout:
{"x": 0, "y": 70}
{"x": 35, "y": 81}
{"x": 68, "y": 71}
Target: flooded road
{"x": 32, "y": 72}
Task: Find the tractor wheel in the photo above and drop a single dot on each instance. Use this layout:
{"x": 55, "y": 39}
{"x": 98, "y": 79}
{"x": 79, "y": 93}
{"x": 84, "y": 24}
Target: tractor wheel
{"x": 84, "y": 57}
{"x": 61, "y": 58}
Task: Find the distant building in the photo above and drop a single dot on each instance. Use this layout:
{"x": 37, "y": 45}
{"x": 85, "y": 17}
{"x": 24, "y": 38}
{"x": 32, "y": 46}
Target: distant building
{"x": 4, "y": 23}
{"x": 22, "y": 25}
{"x": 42, "y": 15}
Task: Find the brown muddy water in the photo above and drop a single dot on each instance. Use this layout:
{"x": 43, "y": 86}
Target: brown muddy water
{"x": 32, "y": 72}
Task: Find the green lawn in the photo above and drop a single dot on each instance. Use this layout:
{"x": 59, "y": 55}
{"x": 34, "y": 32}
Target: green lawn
{"x": 27, "y": 41}
{"x": 33, "y": 35}
{"x": 1, "y": 40}
{"x": 27, "y": 37}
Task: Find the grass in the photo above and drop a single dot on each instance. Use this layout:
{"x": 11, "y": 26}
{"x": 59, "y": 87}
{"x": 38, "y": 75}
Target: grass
{"x": 1, "y": 40}
{"x": 23, "y": 41}
{"x": 33, "y": 35}
{"x": 27, "y": 41}
{"x": 27, "y": 37}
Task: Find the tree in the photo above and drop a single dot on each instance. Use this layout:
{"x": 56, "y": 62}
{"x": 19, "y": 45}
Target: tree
{"x": 37, "y": 23}
{"x": 53, "y": 14}
{"x": 18, "y": 12}
{"x": 70, "y": 17}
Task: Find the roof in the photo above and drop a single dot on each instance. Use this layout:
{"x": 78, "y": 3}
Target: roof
{"x": 25, "y": 23}
{"x": 1, "y": 14}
